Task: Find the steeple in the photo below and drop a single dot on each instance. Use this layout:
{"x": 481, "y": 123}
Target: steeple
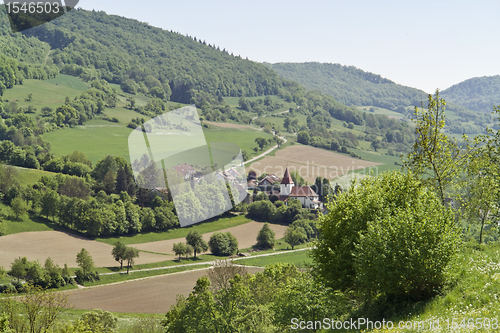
{"x": 286, "y": 183}
{"x": 287, "y": 179}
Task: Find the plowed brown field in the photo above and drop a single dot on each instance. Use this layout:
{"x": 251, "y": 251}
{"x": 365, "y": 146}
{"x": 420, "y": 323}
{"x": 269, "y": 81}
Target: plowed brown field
{"x": 151, "y": 295}
{"x": 310, "y": 162}
{"x": 62, "y": 247}
{"x": 246, "y": 234}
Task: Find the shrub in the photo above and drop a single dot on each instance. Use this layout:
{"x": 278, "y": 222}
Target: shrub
{"x": 223, "y": 244}
{"x": 8, "y": 288}
{"x": 18, "y": 286}
{"x": 262, "y": 210}
{"x": 408, "y": 253}
{"x": 265, "y": 238}
{"x": 388, "y": 235}
{"x": 82, "y": 277}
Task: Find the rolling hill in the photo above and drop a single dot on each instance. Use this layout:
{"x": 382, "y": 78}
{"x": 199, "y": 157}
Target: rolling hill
{"x": 477, "y": 94}
{"x": 350, "y": 85}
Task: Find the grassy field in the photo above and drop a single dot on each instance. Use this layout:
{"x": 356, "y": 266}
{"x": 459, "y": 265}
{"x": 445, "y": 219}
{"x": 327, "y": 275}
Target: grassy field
{"x": 24, "y": 223}
{"x": 208, "y": 226}
{"x": 99, "y": 138}
{"x": 49, "y": 93}
{"x": 382, "y": 111}
{"x": 31, "y": 176}
{"x": 297, "y": 258}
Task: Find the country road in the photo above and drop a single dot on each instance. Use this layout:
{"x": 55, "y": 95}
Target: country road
{"x": 271, "y": 149}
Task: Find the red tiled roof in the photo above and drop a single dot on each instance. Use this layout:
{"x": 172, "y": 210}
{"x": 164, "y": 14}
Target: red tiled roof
{"x": 302, "y": 191}
{"x": 287, "y": 179}
{"x": 184, "y": 169}
{"x": 270, "y": 178}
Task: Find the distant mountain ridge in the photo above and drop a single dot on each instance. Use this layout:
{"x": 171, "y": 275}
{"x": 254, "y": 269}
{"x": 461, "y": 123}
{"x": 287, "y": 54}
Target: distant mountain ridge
{"x": 350, "y": 85}
{"x": 477, "y": 94}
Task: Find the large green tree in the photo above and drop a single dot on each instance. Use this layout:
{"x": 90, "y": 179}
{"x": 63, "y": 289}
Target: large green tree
{"x": 195, "y": 239}
{"x": 118, "y": 252}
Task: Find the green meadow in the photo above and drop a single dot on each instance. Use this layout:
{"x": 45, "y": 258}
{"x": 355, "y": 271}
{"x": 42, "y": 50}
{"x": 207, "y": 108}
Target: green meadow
{"x": 298, "y": 258}
{"x": 30, "y": 176}
{"x": 98, "y": 138}
{"x": 51, "y": 93}
{"x": 377, "y": 110}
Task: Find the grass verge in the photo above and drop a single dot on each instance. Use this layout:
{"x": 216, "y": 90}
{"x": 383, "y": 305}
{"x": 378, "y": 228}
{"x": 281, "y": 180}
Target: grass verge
{"x": 138, "y": 274}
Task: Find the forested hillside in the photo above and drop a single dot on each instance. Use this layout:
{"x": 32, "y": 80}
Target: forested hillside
{"x": 350, "y": 85}
{"x": 126, "y": 51}
{"x": 477, "y": 94}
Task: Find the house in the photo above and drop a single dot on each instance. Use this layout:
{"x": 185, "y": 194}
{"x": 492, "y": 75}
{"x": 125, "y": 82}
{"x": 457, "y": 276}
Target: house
{"x": 185, "y": 170}
{"x": 251, "y": 184}
{"x": 226, "y": 176}
{"x": 305, "y": 194}
{"x": 233, "y": 172}
{"x": 269, "y": 180}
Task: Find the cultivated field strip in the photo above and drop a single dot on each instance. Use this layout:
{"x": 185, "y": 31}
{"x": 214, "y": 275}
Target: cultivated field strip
{"x": 150, "y": 295}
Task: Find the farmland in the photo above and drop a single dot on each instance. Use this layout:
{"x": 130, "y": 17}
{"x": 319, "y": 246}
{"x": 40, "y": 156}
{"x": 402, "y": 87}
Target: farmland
{"x": 246, "y": 235}
{"x": 310, "y": 162}
{"x": 152, "y": 295}
{"x": 62, "y": 247}
{"x": 98, "y": 138}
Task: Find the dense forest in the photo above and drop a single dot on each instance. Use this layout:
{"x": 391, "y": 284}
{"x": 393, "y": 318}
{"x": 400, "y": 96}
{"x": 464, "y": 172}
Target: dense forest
{"x": 350, "y": 85}
{"x": 82, "y": 45}
{"x": 477, "y": 94}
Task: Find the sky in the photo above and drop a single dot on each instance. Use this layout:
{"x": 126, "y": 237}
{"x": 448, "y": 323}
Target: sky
{"x": 422, "y": 44}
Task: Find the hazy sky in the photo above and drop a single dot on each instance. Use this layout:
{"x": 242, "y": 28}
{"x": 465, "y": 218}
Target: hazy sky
{"x": 422, "y": 44}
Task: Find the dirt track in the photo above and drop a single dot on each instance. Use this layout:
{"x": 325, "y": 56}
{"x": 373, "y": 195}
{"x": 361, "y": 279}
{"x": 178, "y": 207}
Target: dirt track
{"x": 246, "y": 234}
{"x": 151, "y": 295}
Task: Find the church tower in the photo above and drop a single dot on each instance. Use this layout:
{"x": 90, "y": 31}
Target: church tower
{"x": 286, "y": 184}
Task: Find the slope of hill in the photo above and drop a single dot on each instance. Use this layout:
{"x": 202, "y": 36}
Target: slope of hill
{"x": 477, "y": 94}
{"x": 125, "y": 51}
{"x": 350, "y": 85}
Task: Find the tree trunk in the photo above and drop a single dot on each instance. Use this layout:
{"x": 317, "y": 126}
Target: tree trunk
{"x": 482, "y": 226}
{"x": 121, "y": 264}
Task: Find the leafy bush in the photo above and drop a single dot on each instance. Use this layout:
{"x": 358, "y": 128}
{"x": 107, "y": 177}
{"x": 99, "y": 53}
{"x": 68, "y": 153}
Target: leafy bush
{"x": 82, "y": 277}
{"x": 223, "y": 244}
{"x": 409, "y": 252}
{"x": 8, "y": 288}
{"x": 390, "y": 229}
{"x": 262, "y": 210}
